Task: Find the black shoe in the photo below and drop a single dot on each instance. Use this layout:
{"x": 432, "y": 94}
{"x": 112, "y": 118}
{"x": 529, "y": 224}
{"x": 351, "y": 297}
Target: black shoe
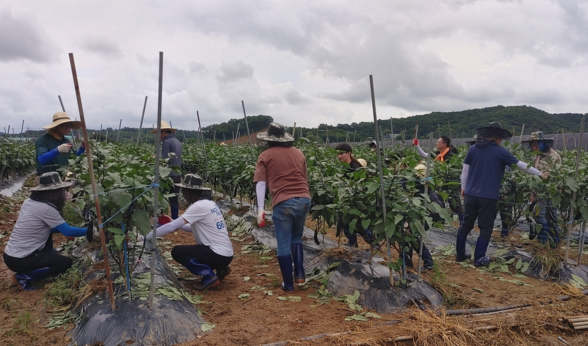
{"x": 223, "y": 273}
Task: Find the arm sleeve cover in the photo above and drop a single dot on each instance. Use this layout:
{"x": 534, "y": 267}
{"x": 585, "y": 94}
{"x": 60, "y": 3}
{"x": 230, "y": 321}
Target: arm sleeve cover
{"x": 168, "y": 228}
{"x": 464, "y": 175}
{"x": 260, "y": 189}
{"x": 48, "y": 156}
{"x": 421, "y": 152}
{"x": 186, "y": 227}
{"x": 531, "y": 170}
{"x": 69, "y": 231}
{"x": 80, "y": 151}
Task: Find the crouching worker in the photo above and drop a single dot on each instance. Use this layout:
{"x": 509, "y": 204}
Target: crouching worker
{"x": 29, "y": 252}
{"x": 213, "y": 249}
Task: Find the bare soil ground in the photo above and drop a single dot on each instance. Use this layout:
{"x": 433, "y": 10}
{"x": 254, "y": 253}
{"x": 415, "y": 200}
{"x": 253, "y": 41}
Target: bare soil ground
{"x": 260, "y": 318}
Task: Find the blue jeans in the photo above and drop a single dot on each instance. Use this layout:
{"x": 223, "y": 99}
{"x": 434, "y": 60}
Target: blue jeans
{"x": 289, "y": 217}
{"x": 547, "y": 218}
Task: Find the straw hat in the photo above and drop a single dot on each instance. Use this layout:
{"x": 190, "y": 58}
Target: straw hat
{"x": 494, "y": 130}
{"x": 275, "y": 133}
{"x": 62, "y": 118}
{"x": 362, "y": 162}
{"x": 192, "y": 182}
{"x": 421, "y": 170}
{"x": 164, "y": 126}
{"x": 51, "y": 181}
{"x": 538, "y": 137}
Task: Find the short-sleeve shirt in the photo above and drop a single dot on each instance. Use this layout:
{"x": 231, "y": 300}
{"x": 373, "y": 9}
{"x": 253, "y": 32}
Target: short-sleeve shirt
{"x": 208, "y": 227}
{"x": 32, "y": 229}
{"x": 45, "y": 144}
{"x": 284, "y": 170}
{"x": 171, "y": 144}
{"x": 487, "y": 163}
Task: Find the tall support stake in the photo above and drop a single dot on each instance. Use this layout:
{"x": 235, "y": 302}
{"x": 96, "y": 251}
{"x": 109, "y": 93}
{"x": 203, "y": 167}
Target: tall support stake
{"x": 141, "y": 124}
{"x": 582, "y": 239}
{"x": 574, "y": 193}
{"x": 118, "y": 134}
{"x": 247, "y": 125}
{"x": 237, "y": 134}
{"x": 382, "y": 137}
{"x": 294, "y": 129}
{"x": 327, "y": 129}
{"x": 381, "y": 174}
{"x": 100, "y": 133}
{"x": 354, "y": 133}
{"x": 93, "y": 180}
{"x": 391, "y": 132}
{"x": 427, "y": 173}
{"x": 522, "y": 132}
{"x": 106, "y": 137}
{"x": 156, "y": 182}
{"x": 201, "y": 138}
{"x": 22, "y": 127}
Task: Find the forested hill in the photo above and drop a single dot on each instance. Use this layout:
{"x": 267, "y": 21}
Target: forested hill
{"x": 462, "y": 123}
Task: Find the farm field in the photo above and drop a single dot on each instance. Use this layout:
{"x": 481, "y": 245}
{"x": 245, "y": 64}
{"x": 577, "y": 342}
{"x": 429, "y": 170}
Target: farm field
{"x": 244, "y": 313}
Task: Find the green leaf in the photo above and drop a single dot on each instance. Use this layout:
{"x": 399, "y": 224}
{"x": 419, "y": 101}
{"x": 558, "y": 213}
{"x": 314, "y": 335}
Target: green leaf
{"x": 572, "y": 183}
{"x": 478, "y": 289}
{"x": 365, "y": 224}
{"x": 352, "y": 225}
{"x": 118, "y": 240}
{"x": 244, "y": 295}
{"x": 207, "y": 326}
{"x": 141, "y": 220}
{"x": 359, "y": 318}
{"x": 519, "y": 264}
{"x": 115, "y": 230}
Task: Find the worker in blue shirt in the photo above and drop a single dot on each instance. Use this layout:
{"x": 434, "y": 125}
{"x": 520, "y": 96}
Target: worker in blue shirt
{"x": 482, "y": 174}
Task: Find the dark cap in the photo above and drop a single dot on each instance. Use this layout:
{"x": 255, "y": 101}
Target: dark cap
{"x": 344, "y": 147}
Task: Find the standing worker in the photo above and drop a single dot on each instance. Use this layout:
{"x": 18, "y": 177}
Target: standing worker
{"x": 53, "y": 148}
{"x": 481, "y": 177}
{"x": 546, "y": 215}
{"x": 282, "y": 168}
{"x": 29, "y": 252}
{"x": 170, "y": 144}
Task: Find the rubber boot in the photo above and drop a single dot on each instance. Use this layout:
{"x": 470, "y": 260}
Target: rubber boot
{"x": 480, "y": 258}
{"x": 298, "y": 258}
{"x": 209, "y": 278}
{"x": 352, "y": 238}
{"x": 428, "y": 263}
{"x": 460, "y": 249}
{"x": 175, "y": 212}
{"x": 222, "y": 273}
{"x": 24, "y": 281}
{"x": 286, "y": 269}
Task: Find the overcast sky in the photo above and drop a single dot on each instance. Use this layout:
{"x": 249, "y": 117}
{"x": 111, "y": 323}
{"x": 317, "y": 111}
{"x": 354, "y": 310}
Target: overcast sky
{"x": 303, "y": 61}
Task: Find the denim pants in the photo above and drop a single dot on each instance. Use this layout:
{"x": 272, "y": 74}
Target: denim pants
{"x": 547, "y": 218}
{"x": 289, "y": 217}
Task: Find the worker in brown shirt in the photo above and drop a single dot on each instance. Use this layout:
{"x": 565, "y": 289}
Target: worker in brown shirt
{"x": 282, "y": 168}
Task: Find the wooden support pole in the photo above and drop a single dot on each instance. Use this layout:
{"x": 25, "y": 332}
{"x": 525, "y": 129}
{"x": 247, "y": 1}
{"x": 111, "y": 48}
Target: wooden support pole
{"x": 427, "y": 173}
{"x": 118, "y": 134}
{"x": 381, "y": 174}
{"x": 156, "y": 182}
{"x": 141, "y": 124}
{"x": 521, "y": 136}
{"x": 247, "y": 125}
{"x": 93, "y": 180}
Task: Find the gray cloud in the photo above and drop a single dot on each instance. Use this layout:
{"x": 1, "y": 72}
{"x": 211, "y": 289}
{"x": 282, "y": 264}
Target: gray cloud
{"x": 230, "y": 72}
{"x": 102, "y": 46}
{"x": 22, "y": 39}
{"x": 294, "y": 97}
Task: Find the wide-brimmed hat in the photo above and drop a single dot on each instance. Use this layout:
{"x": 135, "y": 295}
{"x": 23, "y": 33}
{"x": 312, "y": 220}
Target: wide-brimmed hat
{"x": 51, "y": 181}
{"x": 62, "y": 118}
{"x": 494, "y": 130}
{"x": 473, "y": 141}
{"x": 538, "y": 137}
{"x": 192, "y": 182}
{"x": 421, "y": 170}
{"x": 362, "y": 162}
{"x": 275, "y": 133}
{"x": 164, "y": 126}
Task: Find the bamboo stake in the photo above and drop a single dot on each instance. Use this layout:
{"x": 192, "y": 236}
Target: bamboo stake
{"x": 156, "y": 182}
{"x": 202, "y": 138}
{"x": 237, "y": 134}
{"x": 327, "y": 129}
{"x": 294, "y": 129}
{"x": 22, "y": 127}
{"x": 247, "y": 125}
{"x": 93, "y": 180}
{"x": 100, "y": 133}
{"x": 118, "y": 134}
{"x": 141, "y": 124}
{"x": 430, "y": 140}
{"x": 521, "y": 136}
{"x": 574, "y": 193}
{"x": 381, "y": 174}
{"x": 8, "y": 131}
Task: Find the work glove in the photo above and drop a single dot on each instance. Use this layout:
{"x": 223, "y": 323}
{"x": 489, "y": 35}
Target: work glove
{"x": 261, "y": 218}
{"x": 415, "y": 141}
{"x": 64, "y": 148}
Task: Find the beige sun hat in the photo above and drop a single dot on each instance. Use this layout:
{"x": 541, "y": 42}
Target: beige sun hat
{"x": 62, "y": 118}
{"x": 421, "y": 170}
{"x": 362, "y": 162}
{"x": 275, "y": 133}
{"x": 164, "y": 126}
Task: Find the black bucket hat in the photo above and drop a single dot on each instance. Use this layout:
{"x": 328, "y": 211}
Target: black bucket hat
{"x": 192, "y": 182}
{"x": 473, "y": 141}
{"x": 51, "y": 181}
{"x": 494, "y": 130}
{"x": 275, "y": 133}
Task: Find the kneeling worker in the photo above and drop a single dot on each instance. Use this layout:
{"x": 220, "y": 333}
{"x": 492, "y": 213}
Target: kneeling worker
{"x": 29, "y": 252}
{"x": 213, "y": 249}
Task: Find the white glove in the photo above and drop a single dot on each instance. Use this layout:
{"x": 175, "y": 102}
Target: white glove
{"x": 64, "y": 148}
{"x": 261, "y": 218}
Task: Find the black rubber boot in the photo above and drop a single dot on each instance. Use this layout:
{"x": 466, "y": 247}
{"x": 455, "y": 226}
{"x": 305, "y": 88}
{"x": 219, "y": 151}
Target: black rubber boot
{"x": 298, "y": 258}
{"x": 286, "y": 269}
